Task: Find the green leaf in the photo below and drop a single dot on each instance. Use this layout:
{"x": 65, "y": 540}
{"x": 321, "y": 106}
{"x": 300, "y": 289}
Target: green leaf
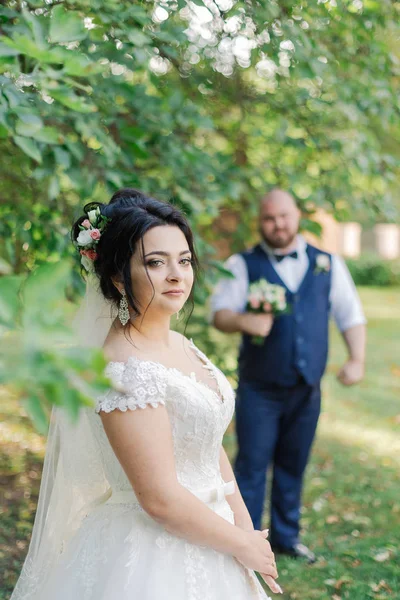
{"x": 29, "y": 147}
{"x": 28, "y": 127}
{"x": 36, "y": 412}
{"x": 138, "y": 38}
{"x": 80, "y": 66}
{"x": 66, "y": 26}
{"x": 24, "y": 45}
{"x": 62, "y": 157}
{"x": 5, "y": 50}
{"x": 72, "y": 101}
{"x": 36, "y": 26}
{"x": 14, "y": 98}
{"x": 9, "y": 301}
{"x": 54, "y": 187}
{"x": 45, "y": 286}
{"x": 139, "y": 14}
{"x": 48, "y": 135}
{"x": 28, "y": 116}
{"x": 311, "y": 226}
{"x": 72, "y": 401}
{"x": 138, "y": 150}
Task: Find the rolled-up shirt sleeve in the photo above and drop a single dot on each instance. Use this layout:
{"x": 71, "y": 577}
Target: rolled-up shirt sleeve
{"x": 231, "y": 293}
{"x": 346, "y": 308}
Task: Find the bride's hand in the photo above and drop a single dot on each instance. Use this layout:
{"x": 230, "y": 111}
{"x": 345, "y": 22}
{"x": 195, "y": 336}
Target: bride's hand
{"x": 271, "y": 583}
{"x": 256, "y": 554}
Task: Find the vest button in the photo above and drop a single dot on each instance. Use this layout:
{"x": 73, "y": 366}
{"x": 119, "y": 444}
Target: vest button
{"x": 302, "y": 363}
{"x": 300, "y": 340}
{"x": 298, "y": 318}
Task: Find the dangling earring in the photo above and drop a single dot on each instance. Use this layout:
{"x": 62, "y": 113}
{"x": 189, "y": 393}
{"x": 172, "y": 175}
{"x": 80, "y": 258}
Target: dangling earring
{"x": 178, "y": 315}
{"x": 123, "y": 311}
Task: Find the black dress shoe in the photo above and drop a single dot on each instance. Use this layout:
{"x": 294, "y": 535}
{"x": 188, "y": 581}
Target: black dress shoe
{"x": 296, "y": 551}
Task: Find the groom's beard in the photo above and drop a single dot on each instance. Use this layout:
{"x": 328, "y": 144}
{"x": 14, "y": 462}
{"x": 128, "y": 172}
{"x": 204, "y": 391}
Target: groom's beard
{"x": 280, "y": 239}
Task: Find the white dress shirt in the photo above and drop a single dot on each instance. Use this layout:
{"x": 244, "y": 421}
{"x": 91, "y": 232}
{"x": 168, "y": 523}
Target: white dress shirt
{"x": 346, "y": 307}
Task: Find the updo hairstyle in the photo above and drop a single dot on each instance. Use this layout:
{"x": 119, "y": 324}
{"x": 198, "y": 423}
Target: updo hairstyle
{"x": 130, "y": 215}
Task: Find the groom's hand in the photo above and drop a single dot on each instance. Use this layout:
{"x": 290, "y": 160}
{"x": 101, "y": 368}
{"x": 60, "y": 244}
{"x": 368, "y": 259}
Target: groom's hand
{"x": 352, "y": 372}
{"x": 256, "y": 324}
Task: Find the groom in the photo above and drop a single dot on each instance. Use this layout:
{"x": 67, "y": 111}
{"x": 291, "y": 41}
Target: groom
{"x": 278, "y": 396}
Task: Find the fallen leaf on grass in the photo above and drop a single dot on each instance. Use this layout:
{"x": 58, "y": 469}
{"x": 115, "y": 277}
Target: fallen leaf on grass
{"x": 342, "y": 581}
{"x": 382, "y": 585}
{"x": 382, "y": 556}
{"x": 338, "y": 583}
{"x": 336, "y": 597}
{"x": 356, "y": 563}
{"x": 332, "y": 519}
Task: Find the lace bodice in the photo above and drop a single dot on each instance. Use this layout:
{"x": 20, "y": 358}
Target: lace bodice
{"x": 199, "y": 415}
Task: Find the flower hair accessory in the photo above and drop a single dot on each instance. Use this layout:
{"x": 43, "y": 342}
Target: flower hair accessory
{"x": 90, "y": 232}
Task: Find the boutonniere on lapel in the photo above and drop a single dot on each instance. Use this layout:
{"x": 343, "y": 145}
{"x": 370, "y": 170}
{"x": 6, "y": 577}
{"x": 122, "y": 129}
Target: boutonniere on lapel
{"x": 265, "y": 297}
{"x": 322, "y": 264}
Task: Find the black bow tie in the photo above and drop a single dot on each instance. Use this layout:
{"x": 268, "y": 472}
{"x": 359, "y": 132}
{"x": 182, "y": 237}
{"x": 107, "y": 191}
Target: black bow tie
{"x": 279, "y": 257}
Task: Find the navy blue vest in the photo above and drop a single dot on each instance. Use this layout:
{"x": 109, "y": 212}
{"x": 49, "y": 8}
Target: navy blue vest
{"x": 297, "y": 345}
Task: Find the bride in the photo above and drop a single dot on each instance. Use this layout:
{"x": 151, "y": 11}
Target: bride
{"x": 138, "y": 500}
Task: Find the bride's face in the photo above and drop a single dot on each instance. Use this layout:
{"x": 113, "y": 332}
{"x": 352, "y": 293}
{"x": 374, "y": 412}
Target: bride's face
{"x": 167, "y": 262}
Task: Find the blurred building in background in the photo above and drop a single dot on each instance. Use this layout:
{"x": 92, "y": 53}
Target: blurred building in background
{"x": 351, "y": 239}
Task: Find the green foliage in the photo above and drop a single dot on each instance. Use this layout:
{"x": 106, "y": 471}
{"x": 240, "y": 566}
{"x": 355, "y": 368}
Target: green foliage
{"x": 38, "y": 359}
{"x": 370, "y": 269}
{"x": 95, "y": 96}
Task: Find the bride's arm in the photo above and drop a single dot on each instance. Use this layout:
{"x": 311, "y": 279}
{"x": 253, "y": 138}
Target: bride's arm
{"x": 236, "y": 502}
{"x": 142, "y": 442}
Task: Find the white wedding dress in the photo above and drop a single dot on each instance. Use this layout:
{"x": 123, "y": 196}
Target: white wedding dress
{"x": 118, "y": 552}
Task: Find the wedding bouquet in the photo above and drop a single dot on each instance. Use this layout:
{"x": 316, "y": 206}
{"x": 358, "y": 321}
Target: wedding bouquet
{"x": 265, "y": 297}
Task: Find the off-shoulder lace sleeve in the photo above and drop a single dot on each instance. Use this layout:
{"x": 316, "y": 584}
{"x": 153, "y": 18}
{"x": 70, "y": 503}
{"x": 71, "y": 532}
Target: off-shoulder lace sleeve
{"x": 136, "y": 384}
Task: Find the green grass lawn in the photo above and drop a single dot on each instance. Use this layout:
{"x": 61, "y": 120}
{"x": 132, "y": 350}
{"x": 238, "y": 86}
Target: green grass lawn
{"x": 351, "y": 514}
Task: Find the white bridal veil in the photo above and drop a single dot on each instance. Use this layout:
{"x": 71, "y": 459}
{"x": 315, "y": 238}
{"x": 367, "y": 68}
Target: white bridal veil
{"x": 73, "y": 480}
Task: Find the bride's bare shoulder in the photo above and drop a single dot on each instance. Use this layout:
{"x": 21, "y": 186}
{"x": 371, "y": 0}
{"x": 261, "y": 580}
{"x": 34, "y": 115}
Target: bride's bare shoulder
{"x": 116, "y": 347}
{"x": 180, "y": 340}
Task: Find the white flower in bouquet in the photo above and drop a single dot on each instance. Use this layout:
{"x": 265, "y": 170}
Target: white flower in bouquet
{"x": 265, "y": 297}
{"x": 281, "y": 305}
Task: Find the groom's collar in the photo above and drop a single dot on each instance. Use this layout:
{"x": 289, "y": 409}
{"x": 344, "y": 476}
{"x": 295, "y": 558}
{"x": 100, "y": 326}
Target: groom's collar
{"x": 301, "y": 246}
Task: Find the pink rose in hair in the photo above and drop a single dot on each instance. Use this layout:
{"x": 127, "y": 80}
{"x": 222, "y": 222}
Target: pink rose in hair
{"x": 86, "y": 223}
{"x": 91, "y": 254}
{"x": 95, "y": 234}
